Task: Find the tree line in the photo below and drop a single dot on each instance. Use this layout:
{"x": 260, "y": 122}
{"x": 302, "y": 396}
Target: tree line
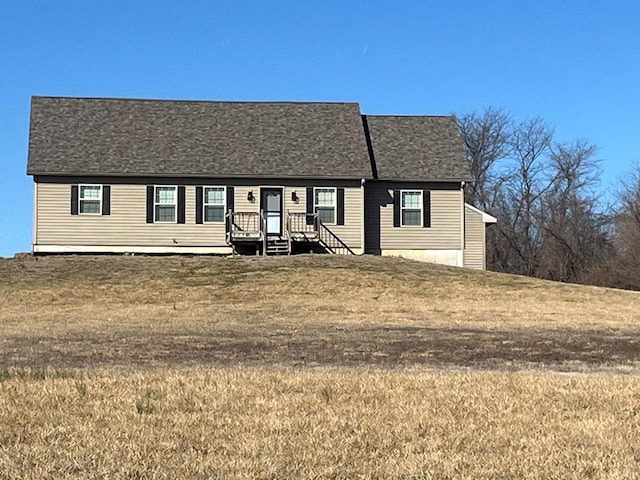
{"x": 554, "y": 221}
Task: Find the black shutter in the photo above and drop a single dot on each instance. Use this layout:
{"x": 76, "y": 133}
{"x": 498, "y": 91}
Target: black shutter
{"x": 74, "y": 199}
{"x": 310, "y": 211}
{"x": 230, "y": 199}
{"x": 181, "y": 204}
{"x": 230, "y": 206}
{"x": 199, "y": 204}
{"x": 396, "y": 208}
{"x": 426, "y": 208}
{"x": 106, "y": 200}
{"x": 150, "y": 203}
{"x": 340, "y": 213}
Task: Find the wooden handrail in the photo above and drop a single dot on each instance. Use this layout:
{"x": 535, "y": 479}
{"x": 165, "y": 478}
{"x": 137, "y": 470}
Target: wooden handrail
{"x": 243, "y": 225}
{"x": 331, "y": 241}
{"x": 302, "y": 223}
{"x": 308, "y": 226}
{"x": 263, "y": 229}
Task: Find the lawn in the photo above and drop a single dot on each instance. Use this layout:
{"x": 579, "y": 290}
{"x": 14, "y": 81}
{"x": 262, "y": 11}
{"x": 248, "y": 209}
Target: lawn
{"x": 311, "y": 367}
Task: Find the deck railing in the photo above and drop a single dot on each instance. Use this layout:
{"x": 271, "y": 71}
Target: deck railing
{"x": 263, "y": 228}
{"x": 244, "y": 226}
{"x": 308, "y": 226}
{"x": 302, "y": 226}
{"x": 251, "y": 227}
{"x": 331, "y": 242}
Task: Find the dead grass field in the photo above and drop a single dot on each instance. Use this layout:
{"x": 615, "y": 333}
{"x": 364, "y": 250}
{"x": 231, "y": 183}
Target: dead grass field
{"x": 318, "y": 423}
{"x": 314, "y": 310}
{"x": 311, "y": 367}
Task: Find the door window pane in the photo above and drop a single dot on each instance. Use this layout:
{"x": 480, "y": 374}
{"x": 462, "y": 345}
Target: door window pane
{"x": 273, "y": 202}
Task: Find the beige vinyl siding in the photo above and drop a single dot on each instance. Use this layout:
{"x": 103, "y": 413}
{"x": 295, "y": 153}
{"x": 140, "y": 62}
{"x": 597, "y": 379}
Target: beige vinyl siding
{"x": 474, "y": 248}
{"x": 301, "y": 193}
{"x": 445, "y": 232}
{"x": 351, "y": 232}
{"x": 126, "y": 225}
{"x": 241, "y": 204}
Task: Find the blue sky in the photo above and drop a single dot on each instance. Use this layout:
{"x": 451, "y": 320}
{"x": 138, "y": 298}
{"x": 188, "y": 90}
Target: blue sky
{"x": 574, "y": 63}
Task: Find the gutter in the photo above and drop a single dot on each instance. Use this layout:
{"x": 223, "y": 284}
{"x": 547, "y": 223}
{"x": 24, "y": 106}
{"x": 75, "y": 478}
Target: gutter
{"x": 463, "y": 223}
{"x": 192, "y": 175}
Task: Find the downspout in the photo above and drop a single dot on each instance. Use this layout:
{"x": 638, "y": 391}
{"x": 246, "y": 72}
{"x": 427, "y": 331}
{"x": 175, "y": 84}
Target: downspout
{"x": 463, "y": 229}
{"x": 363, "y": 217}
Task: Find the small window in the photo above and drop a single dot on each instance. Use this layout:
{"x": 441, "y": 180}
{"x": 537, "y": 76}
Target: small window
{"x": 165, "y": 204}
{"x": 411, "y": 208}
{"x": 325, "y": 204}
{"x": 90, "y": 199}
{"x": 213, "y": 204}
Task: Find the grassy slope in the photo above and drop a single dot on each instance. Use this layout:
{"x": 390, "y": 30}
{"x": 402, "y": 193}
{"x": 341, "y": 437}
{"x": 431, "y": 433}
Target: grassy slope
{"x": 88, "y": 311}
{"x": 151, "y": 367}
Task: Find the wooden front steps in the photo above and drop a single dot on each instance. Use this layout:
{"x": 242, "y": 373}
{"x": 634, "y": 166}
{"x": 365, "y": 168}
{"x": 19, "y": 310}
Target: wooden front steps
{"x": 277, "y": 246}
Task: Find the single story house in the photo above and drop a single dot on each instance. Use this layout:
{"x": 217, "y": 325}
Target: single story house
{"x": 162, "y": 176}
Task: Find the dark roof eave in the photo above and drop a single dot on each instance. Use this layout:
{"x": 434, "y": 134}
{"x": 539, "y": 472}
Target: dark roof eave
{"x": 192, "y": 175}
{"x": 426, "y": 180}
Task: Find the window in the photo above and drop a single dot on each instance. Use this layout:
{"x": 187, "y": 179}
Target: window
{"x": 325, "y": 204}
{"x": 90, "y": 199}
{"x": 213, "y": 204}
{"x": 411, "y": 208}
{"x": 165, "y": 204}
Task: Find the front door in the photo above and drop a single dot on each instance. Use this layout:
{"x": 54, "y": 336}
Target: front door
{"x": 271, "y": 206}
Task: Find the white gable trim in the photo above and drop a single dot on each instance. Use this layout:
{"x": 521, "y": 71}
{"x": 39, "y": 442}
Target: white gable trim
{"x": 486, "y": 218}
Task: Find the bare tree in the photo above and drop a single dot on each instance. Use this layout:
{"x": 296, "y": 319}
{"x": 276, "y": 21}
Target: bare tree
{"x": 528, "y": 180}
{"x": 575, "y": 227}
{"x": 623, "y": 269}
{"x": 486, "y": 139}
{"x": 543, "y": 193}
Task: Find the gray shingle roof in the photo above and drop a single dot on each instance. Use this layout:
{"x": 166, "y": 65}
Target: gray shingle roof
{"x": 419, "y": 148}
{"x": 129, "y": 137}
{"x": 98, "y": 136}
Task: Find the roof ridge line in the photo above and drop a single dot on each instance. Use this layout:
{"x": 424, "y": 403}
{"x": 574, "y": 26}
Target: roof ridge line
{"x": 188, "y": 100}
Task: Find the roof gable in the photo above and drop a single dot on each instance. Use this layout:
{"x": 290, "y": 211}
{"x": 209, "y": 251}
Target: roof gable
{"x": 417, "y": 148}
{"x": 97, "y": 136}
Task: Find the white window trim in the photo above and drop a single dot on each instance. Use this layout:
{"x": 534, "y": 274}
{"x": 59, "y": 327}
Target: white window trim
{"x": 175, "y": 204}
{"x": 205, "y": 204}
{"x": 421, "y": 207}
{"x": 80, "y": 199}
{"x": 334, "y": 206}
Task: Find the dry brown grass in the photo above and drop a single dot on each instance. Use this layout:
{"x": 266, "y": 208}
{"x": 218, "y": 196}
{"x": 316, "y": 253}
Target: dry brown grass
{"x": 318, "y": 423}
{"x": 318, "y": 310}
{"x": 311, "y": 367}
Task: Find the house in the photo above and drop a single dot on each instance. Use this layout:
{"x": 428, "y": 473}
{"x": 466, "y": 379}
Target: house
{"x": 164, "y": 176}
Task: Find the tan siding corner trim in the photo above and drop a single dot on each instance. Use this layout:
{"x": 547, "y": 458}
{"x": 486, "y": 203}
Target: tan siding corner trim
{"x": 34, "y": 216}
